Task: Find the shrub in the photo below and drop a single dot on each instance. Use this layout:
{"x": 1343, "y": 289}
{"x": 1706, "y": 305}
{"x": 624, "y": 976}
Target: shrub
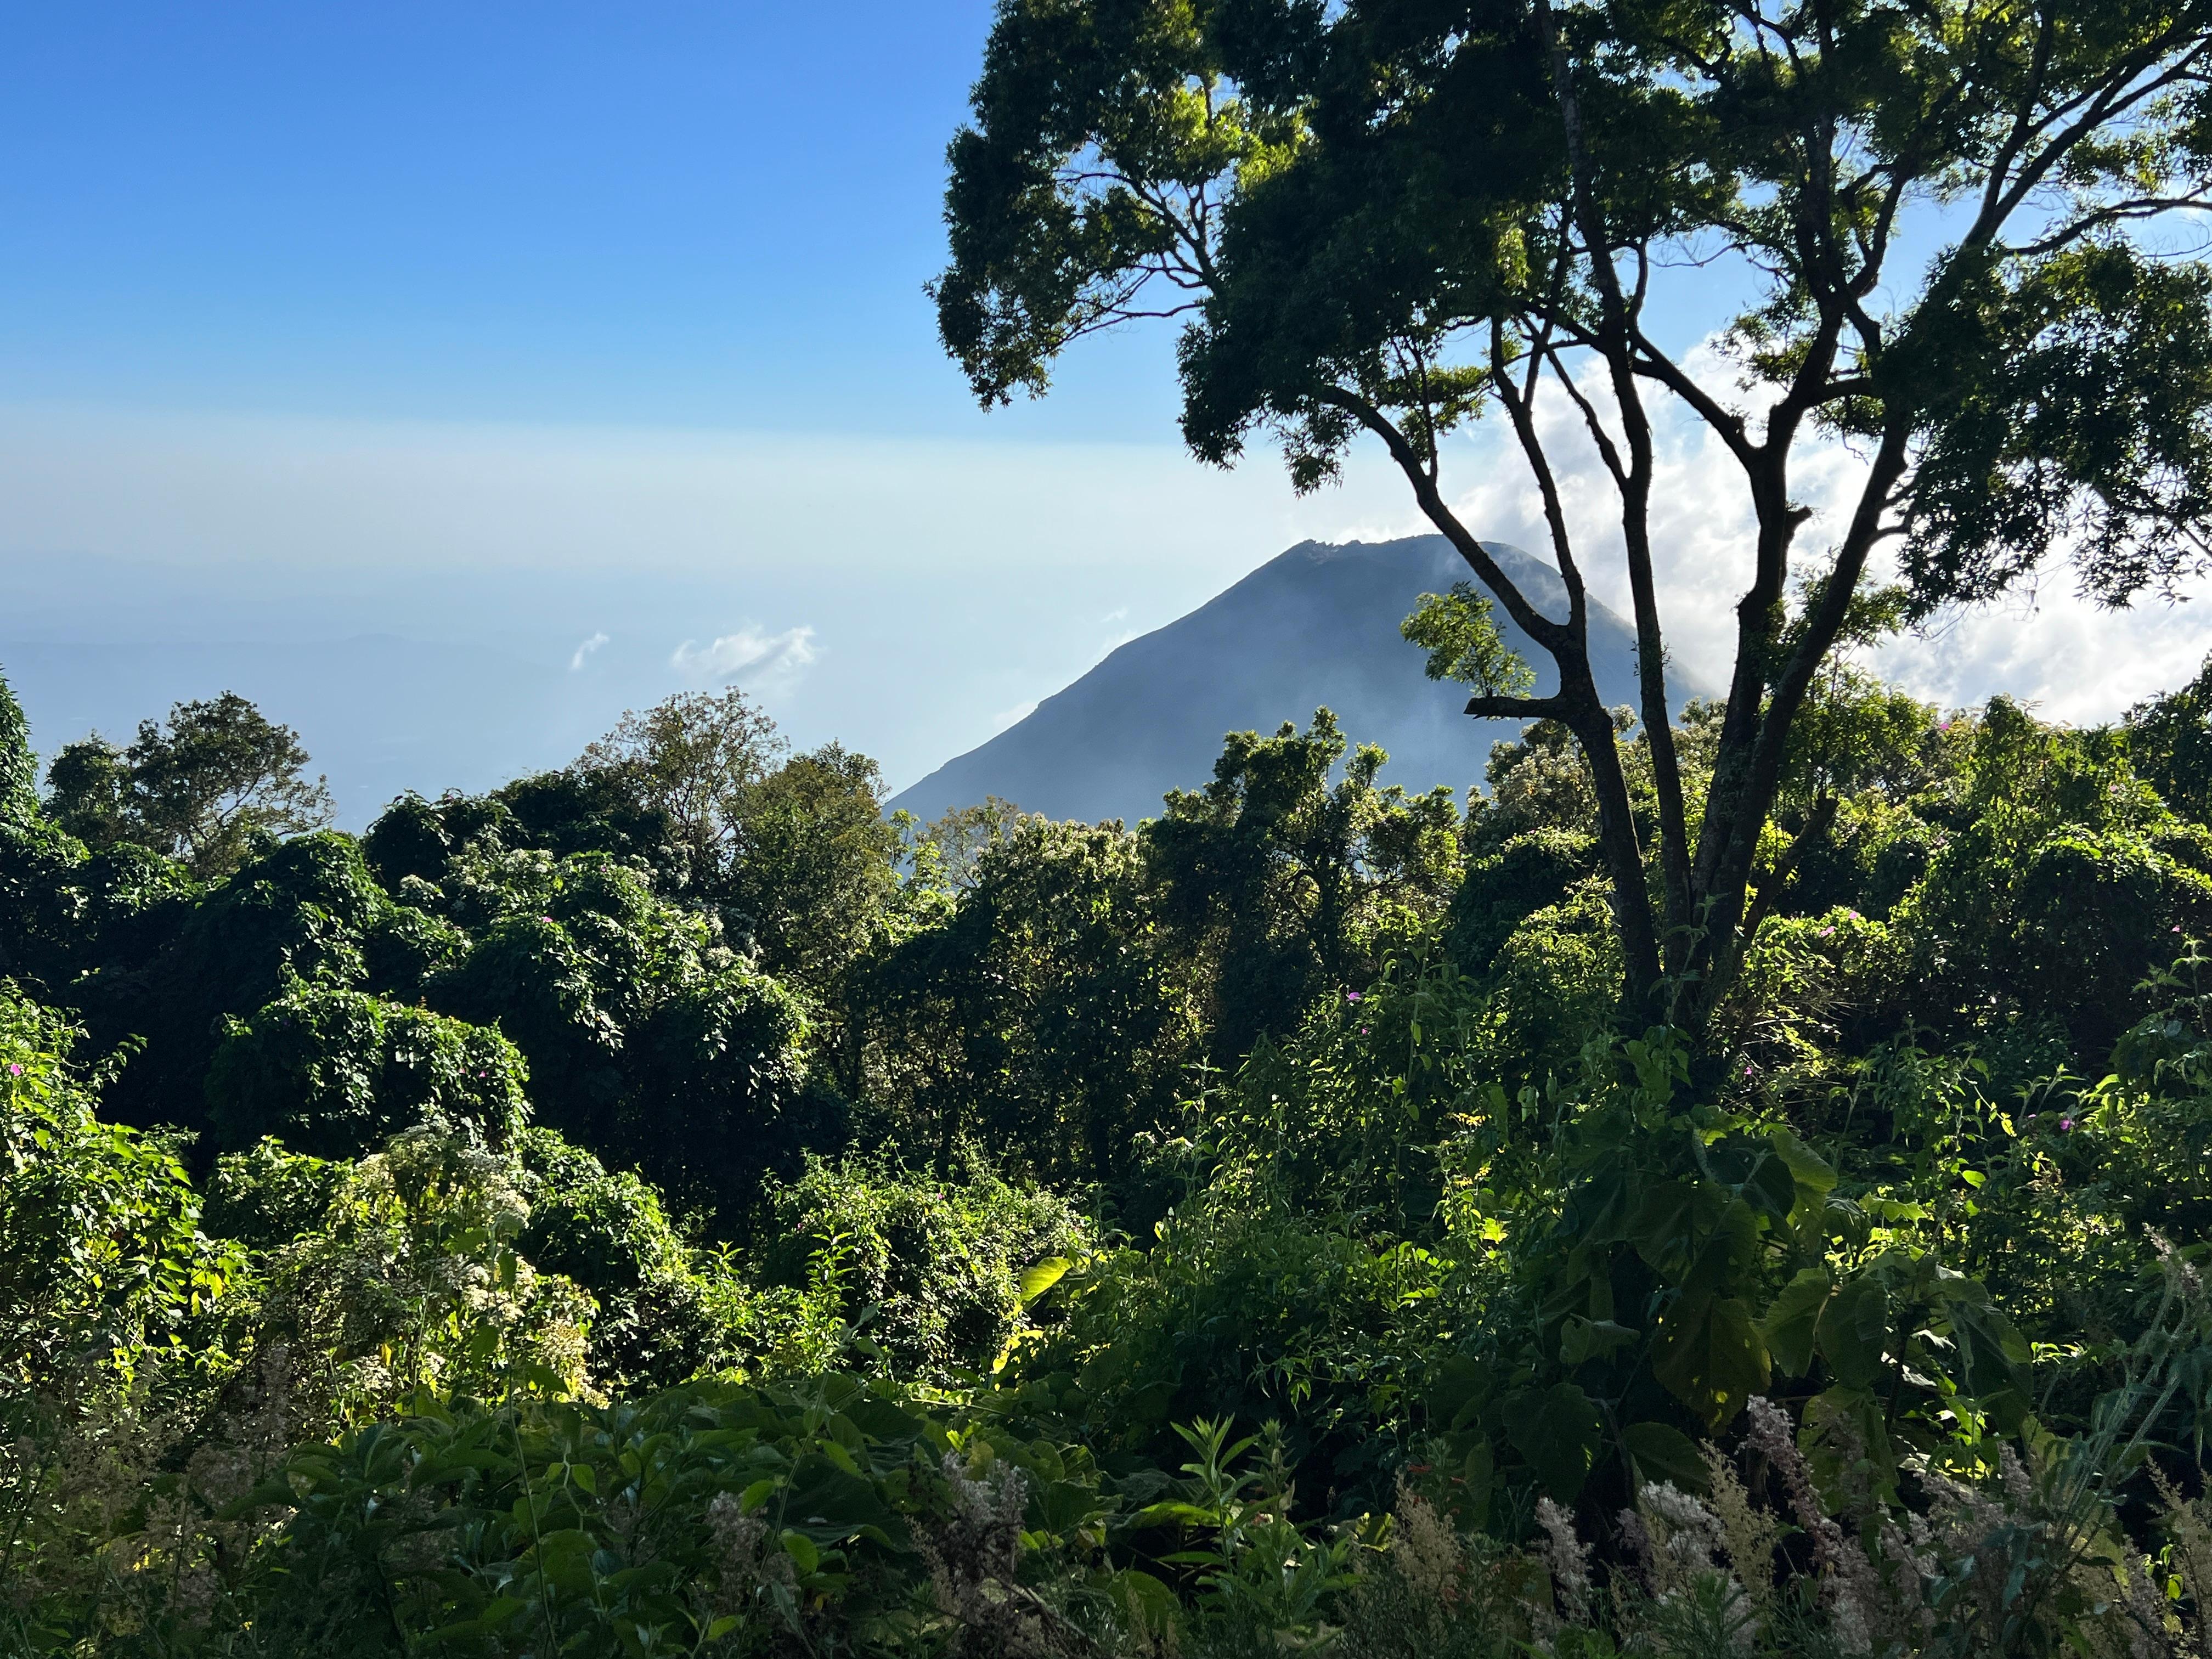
{"x": 667, "y": 1311}
{"x": 335, "y": 1073}
{"x": 935, "y": 1263}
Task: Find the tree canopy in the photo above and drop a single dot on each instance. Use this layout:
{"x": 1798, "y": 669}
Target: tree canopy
{"x": 377, "y": 1220}
{"x": 201, "y": 786}
{"x": 1385, "y": 218}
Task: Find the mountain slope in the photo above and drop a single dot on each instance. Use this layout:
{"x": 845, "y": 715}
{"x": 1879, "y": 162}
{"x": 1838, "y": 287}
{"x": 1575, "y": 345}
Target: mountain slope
{"x": 1316, "y": 625}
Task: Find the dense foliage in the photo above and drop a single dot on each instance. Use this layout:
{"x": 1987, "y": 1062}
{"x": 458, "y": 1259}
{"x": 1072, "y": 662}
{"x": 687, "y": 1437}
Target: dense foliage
{"x": 663, "y": 1207}
{"x": 1953, "y": 234}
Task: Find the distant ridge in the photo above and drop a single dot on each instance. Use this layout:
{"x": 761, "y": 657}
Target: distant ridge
{"x": 1316, "y": 625}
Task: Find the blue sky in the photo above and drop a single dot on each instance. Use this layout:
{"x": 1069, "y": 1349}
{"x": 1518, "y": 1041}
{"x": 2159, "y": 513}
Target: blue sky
{"x": 667, "y": 214}
{"x": 487, "y": 331}
{"x": 294, "y": 299}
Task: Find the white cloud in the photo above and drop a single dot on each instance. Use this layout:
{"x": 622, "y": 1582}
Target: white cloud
{"x": 124, "y": 526}
{"x": 2074, "y": 661}
{"x": 748, "y": 655}
{"x": 2070, "y": 659}
{"x": 585, "y": 650}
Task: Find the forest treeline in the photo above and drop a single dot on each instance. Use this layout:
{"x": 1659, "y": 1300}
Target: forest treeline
{"x": 665, "y": 1206}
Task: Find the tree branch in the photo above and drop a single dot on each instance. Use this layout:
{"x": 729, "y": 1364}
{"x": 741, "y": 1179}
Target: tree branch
{"x": 1517, "y": 708}
{"x": 1555, "y": 637}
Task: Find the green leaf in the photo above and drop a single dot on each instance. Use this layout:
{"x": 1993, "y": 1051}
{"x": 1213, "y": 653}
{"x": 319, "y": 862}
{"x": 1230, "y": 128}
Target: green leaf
{"x": 1171, "y": 1510}
{"x": 1853, "y": 1331}
{"x": 1663, "y": 1453}
{"x": 1477, "y": 1474}
{"x": 1559, "y": 1431}
{"x": 1773, "y": 1184}
{"x": 1668, "y": 1223}
{"x": 1459, "y": 1391}
{"x": 1064, "y": 1505}
{"x": 1036, "y": 1280}
{"x": 1146, "y": 1603}
{"x": 1710, "y": 1355}
{"x": 1582, "y": 1339}
{"x": 1992, "y": 1353}
{"x": 831, "y": 1502}
{"x": 1814, "y": 1176}
{"x": 585, "y": 1476}
{"x": 802, "y": 1551}
{"x": 1792, "y": 1318}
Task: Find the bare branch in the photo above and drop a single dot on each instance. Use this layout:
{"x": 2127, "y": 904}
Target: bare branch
{"x": 1517, "y": 708}
{"x": 1554, "y": 636}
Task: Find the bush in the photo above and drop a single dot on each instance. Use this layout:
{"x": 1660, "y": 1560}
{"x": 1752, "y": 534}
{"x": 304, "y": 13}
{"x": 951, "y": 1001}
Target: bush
{"x": 407, "y": 949}
{"x": 266, "y": 1197}
{"x": 667, "y": 1311}
{"x": 335, "y": 1073}
{"x": 300, "y": 913}
{"x": 935, "y": 1263}
{"x": 102, "y": 1258}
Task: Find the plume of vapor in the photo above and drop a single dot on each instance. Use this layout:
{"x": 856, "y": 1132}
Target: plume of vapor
{"x": 749, "y": 655}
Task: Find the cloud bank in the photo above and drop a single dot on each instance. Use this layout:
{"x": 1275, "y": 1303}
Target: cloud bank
{"x": 2073, "y": 660}
{"x": 945, "y": 584}
{"x": 748, "y": 655}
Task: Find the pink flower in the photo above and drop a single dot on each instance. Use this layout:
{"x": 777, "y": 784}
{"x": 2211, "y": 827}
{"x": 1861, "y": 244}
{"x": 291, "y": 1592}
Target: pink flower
{"x": 15, "y": 1069}
{"x": 2065, "y": 1125}
{"x": 1351, "y": 996}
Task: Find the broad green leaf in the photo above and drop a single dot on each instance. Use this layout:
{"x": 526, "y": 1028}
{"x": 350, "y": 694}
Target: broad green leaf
{"x": 1772, "y": 1187}
{"x": 1559, "y": 1431}
{"x": 1037, "y": 1280}
{"x": 1662, "y": 1452}
{"x": 1853, "y": 1331}
{"x": 1992, "y": 1354}
{"x": 1461, "y": 1390}
{"x": 801, "y": 1550}
{"x": 1710, "y": 1356}
{"x": 1668, "y": 1223}
{"x": 1146, "y": 1603}
{"x": 1477, "y": 1474}
{"x": 1813, "y": 1173}
{"x": 1583, "y": 1339}
{"x": 1792, "y": 1318}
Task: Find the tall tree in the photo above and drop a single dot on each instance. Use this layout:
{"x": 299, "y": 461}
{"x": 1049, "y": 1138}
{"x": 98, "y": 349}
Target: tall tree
{"x": 198, "y": 788}
{"x": 19, "y": 765}
{"x": 1281, "y": 882}
{"x": 815, "y": 864}
{"x": 1384, "y": 218}
{"x": 694, "y": 755}
{"x": 88, "y": 791}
